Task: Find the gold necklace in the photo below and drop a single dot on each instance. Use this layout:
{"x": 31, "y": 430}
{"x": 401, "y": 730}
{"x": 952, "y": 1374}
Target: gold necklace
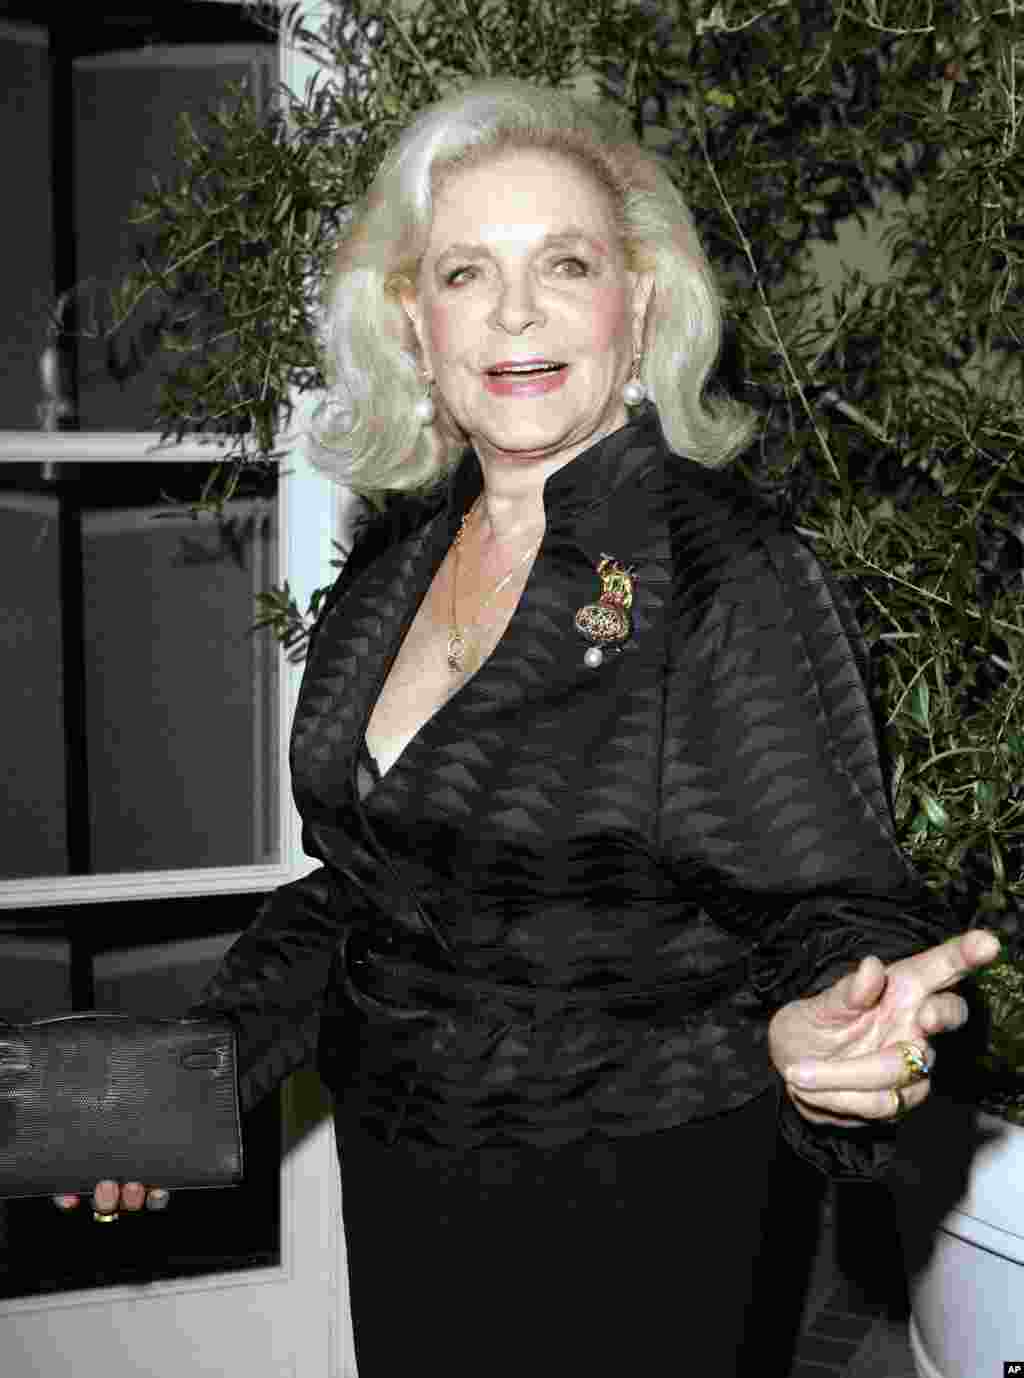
{"x": 463, "y": 650}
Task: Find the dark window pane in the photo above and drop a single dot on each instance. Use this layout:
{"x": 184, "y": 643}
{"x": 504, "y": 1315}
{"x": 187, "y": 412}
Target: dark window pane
{"x": 90, "y": 103}
{"x": 31, "y": 717}
{"x": 26, "y": 239}
{"x": 138, "y": 712}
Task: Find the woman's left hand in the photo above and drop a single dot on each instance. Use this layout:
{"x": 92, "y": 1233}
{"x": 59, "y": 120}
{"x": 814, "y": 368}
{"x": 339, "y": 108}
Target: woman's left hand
{"x": 839, "y": 1052}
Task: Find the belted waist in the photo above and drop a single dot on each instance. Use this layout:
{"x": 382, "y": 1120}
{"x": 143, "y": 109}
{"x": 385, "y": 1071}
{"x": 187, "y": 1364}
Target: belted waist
{"x": 403, "y": 988}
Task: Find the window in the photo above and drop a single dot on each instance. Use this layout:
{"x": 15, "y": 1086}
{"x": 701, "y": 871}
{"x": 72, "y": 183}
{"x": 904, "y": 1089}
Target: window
{"x": 90, "y": 101}
{"x": 144, "y": 730}
{"x": 128, "y": 669}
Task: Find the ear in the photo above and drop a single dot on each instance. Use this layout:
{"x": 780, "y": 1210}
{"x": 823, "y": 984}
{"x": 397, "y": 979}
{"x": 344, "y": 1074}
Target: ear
{"x": 643, "y": 290}
{"x": 410, "y": 303}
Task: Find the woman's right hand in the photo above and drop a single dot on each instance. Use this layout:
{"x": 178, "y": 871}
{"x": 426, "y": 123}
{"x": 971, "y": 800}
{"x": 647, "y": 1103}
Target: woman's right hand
{"x": 110, "y": 1197}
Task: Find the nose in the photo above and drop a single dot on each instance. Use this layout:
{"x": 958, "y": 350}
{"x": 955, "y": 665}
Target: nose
{"x": 516, "y": 307}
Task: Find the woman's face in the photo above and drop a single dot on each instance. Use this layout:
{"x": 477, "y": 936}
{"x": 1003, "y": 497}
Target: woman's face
{"x": 525, "y": 313}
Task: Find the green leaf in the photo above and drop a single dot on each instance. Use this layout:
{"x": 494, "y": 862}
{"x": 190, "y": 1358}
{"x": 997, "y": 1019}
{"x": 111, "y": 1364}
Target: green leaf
{"x": 725, "y": 99}
{"x": 937, "y": 816}
{"x": 998, "y": 864}
{"x": 920, "y": 702}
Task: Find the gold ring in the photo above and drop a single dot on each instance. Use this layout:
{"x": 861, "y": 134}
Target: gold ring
{"x": 915, "y": 1059}
{"x": 900, "y": 1104}
{"x": 104, "y": 1217}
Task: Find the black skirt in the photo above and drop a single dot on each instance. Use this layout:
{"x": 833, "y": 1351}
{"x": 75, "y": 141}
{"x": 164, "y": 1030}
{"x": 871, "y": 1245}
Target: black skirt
{"x": 600, "y": 1257}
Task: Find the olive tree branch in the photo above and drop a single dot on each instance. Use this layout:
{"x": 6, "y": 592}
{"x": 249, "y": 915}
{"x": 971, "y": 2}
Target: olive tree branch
{"x": 159, "y": 277}
{"x": 763, "y": 296}
{"x": 873, "y": 20}
{"x": 481, "y": 50}
{"x": 934, "y": 597}
{"x": 417, "y": 56}
{"x": 716, "y": 22}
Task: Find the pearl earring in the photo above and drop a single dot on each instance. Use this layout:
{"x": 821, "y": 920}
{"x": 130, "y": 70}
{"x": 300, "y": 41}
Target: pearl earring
{"x": 634, "y": 392}
{"x": 424, "y": 410}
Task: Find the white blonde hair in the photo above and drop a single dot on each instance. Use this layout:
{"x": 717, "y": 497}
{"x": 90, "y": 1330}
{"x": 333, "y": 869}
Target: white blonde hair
{"x": 367, "y": 430}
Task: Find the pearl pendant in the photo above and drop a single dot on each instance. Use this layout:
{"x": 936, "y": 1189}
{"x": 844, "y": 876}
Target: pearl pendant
{"x": 463, "y": 655}
{"x": 633, "y": 392}
{"x": 593, "y": 657}
{"x": 456, "y": 650}
{"x": 424, "y": 410}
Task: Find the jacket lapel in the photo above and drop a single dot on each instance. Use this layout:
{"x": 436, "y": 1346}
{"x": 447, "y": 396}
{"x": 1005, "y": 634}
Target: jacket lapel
{"x": 356, "y": 643}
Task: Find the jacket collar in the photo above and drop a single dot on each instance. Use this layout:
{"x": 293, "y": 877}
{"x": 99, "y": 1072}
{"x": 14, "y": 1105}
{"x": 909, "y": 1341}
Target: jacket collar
{"x": 577, "y": 490}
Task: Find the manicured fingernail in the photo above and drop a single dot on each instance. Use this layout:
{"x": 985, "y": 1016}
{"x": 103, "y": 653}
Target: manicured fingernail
{"x": 157, "y": 1199}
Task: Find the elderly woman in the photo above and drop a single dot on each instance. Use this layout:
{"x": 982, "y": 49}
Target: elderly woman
{"x": 609, "y": 887}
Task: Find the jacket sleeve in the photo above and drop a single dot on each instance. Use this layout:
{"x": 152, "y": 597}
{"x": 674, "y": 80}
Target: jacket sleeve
{"x": 272, "y": 981}
{"x": 792, "y": 846}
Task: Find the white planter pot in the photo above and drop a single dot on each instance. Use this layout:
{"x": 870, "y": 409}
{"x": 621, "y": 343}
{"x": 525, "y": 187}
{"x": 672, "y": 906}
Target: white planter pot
{"x": 961, "y": 1203}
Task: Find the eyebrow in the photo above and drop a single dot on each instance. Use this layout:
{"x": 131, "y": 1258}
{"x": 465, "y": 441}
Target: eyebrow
{"x": 572, "y": 235}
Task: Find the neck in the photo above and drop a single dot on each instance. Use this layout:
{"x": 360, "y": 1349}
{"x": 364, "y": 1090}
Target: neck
{"x": 511, "y": 508}
{"x": 510, "y": 513}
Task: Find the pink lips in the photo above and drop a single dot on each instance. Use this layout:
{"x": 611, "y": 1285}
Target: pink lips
{"x": 524, "y": 385}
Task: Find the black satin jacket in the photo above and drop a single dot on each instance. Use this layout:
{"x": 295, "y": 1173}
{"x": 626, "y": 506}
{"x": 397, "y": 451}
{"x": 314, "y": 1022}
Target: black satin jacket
{"x": 575, "y": 900}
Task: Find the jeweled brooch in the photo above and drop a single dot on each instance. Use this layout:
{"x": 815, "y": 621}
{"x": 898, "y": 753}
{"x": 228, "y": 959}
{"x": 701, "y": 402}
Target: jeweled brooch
{"x": 607, "y": 623}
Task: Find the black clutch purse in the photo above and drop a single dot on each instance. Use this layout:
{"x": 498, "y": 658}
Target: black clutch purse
{"x": 85, "y": 1097}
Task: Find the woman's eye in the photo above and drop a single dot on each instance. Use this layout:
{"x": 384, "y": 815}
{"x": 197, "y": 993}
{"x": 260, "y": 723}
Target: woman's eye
{"x": 456, "y": 276}
{"x": 571, "y": 267}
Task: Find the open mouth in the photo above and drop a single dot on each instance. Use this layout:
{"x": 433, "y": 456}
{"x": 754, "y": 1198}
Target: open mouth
{"x": 529, "y": 370}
